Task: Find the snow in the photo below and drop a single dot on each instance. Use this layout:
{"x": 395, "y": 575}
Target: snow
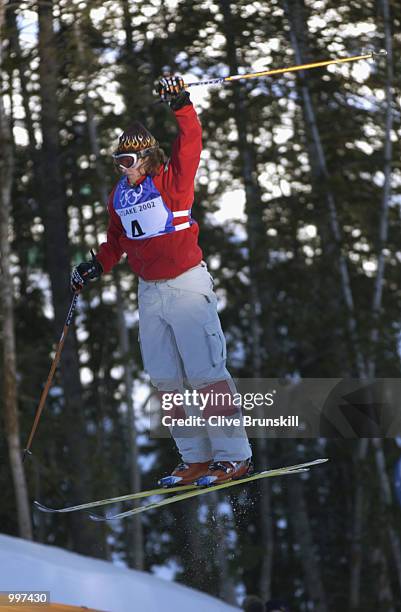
{"x": 82, "y": 581}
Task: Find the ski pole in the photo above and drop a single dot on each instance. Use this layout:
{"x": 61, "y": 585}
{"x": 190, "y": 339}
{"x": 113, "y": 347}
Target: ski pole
{"x": 56, "y": 359}
{"x": 254, "y": 75}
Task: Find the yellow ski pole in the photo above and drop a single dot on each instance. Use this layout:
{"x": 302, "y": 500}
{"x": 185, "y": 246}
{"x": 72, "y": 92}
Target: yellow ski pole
{"x": 264, "y": 73}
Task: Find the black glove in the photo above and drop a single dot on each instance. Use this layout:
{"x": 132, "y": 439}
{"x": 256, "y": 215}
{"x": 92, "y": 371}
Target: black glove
{"x": 171, "y": 89}
{"x": 85, "y": 271}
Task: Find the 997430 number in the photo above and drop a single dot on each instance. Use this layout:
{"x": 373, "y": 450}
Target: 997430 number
{"x": 24, "y": 597}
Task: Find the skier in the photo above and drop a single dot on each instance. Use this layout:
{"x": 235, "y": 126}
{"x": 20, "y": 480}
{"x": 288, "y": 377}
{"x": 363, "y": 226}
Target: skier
{"x": 181, "y": 339}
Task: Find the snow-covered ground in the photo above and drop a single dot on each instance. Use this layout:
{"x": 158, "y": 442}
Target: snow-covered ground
{"x": 82, "y": 581}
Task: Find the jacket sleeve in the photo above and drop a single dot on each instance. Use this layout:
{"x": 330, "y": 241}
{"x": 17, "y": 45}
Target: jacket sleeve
{"x": 179, "y": 177}
{"x": 110, "y": 252}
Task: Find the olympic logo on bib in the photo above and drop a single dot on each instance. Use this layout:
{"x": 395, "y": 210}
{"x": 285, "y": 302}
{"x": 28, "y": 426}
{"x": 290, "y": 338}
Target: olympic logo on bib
{"x": 129, "y": 197}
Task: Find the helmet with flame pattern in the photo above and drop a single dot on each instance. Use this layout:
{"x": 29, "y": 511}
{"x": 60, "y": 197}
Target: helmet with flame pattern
{"x": 135, "y": 139}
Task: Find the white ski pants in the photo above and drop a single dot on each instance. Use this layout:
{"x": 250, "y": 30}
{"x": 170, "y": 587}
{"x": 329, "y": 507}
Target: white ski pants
{"x": 183, "y": 346}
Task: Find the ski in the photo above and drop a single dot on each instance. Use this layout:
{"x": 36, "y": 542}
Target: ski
{"x": 284, "y": 471}
{"x": 114, "y": 500}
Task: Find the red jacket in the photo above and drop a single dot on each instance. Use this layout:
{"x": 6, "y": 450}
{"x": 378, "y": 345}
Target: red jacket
{"x": 171, "y": 254}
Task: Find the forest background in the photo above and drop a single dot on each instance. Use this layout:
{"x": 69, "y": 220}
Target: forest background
{"x": 297, "y": 198}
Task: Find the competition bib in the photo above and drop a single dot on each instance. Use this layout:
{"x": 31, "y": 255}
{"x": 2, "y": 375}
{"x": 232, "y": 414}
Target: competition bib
{"x": 142, "y": 210}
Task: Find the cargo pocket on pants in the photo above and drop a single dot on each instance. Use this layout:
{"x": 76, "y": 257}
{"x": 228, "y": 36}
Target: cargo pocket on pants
{"x": 216, "y": 342}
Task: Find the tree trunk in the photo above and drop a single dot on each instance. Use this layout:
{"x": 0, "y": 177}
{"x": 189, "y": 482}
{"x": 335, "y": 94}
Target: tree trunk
{"x": 54, "y": 208}
{"x": 266, "y": 534}
{"x": 387, "y": 500}
{"x": 23, "y": 72}
{"x": 360, "y": 455}
{"x": 257, "y": 249}
{"x": 384, "y": 481}
{"x": 318, "y": 164}
{"x": 6, "y": 301}
{"x": 135, "y": 528}
{"x": 259, "y": 298}
{"x": 364, "y": 368}
{"x": 385, "y": 600}
{"x": 388, "y": 161}
{"x": 136, "y": 531}
{"x": 226, "y": 583}
{"x": 303, "y": 537}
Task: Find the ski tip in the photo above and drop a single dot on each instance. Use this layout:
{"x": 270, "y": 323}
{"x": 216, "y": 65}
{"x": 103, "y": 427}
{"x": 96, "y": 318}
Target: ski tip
{"x": 310, "y": 464}
{"x": 103, "y": 519}
{"x": 97, "y": 518}
{"x": 42, "y": 508}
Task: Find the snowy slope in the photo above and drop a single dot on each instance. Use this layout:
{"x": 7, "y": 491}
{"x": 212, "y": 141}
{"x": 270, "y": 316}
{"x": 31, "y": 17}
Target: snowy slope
{"x": 82, "y": 581}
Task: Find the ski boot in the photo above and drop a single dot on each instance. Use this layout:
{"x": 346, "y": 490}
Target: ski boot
{"x": 185, "y": 474}
{"x": 222, "y": 471}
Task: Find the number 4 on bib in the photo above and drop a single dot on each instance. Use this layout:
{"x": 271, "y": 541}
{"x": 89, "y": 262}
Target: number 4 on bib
{"x": 136, "y": 229}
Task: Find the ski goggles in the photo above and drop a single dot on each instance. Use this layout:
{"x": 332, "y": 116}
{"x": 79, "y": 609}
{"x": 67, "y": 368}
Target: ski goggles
{"x": 129, "y": 160}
